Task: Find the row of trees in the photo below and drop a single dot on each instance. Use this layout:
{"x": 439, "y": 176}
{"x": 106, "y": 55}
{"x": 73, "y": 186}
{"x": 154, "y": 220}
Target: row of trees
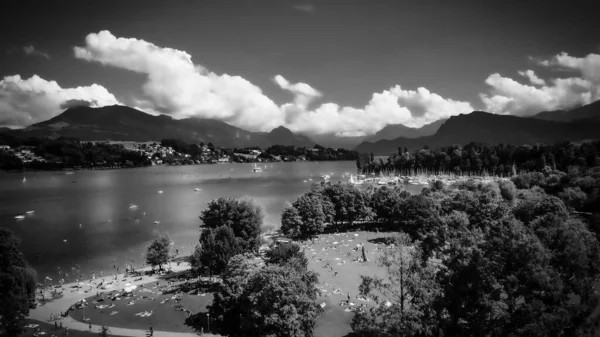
{"x": 317, "y": 153}
{"x": 69, "y": 153}
{"x": 478, "y": 158}
{"x": 17, "y": 285}
{"x": 480, "y": 260}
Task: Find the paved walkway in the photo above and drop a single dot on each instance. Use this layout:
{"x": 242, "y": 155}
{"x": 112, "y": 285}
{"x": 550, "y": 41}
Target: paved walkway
{"x": 72, "y": 295}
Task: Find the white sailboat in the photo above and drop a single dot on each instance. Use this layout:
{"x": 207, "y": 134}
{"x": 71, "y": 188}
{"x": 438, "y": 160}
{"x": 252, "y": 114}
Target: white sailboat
{"x": 24, "y": 180}
{"x": 256, "y": 169}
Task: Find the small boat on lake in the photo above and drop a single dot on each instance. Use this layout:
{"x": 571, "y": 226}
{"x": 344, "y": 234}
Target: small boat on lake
{"x": 132, "y": 206}
{"x": 256, "y": 169}
{"x": 197, "y": 189}
{"x": 20, "y": 217}
{"x": 29, "y": 212}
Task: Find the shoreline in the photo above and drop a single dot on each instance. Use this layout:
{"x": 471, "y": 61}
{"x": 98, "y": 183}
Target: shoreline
{"x": 73, "y": 292}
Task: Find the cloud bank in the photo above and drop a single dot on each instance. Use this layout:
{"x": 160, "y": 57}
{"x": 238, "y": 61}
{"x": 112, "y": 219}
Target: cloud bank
{"x": 508, "y": 96}
{"x": 177, "y": 86}
{"x": 28, "y": 101}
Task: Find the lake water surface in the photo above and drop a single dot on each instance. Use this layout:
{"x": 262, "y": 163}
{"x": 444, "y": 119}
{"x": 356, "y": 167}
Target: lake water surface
{"x": 84, "y": 221}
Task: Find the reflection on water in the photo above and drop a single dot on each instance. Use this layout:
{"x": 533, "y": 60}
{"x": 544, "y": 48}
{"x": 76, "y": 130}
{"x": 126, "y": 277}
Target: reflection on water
{"x": 85, "y": 218}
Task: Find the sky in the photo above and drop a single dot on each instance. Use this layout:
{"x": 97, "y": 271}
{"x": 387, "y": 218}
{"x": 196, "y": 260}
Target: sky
{"x": 343, "y": 67}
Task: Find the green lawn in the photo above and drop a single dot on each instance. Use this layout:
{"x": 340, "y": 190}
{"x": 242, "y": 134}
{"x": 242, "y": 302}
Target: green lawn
{"x": 328, "y": 249}
{"x": 49, "y": 331}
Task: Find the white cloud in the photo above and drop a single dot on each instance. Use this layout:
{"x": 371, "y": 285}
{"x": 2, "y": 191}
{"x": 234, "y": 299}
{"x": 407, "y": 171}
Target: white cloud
{"x": 176, "y": 86}
{"x": 30, "y": 50}
{"x": 532, "y": 77}
{"x": 393, "y": 106}
{"x": 588, "y": 66}
{"x": 507, "y": 96}
{"x": 303, "y": 93}
{"x": 27, "y": 101}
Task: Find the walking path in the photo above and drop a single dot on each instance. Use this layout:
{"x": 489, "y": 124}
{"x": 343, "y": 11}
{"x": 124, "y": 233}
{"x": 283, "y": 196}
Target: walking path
{"x": 72, "y": 295}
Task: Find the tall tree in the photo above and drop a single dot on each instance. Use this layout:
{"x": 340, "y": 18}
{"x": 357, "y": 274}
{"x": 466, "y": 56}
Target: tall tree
{"x": 17, "y": 285}
{"x": 244, "y": 217}
{"x": 404, "y": 300}
{"x": 216, "y": 247}
{"x": 276, "y": 300}
{"x": 157, "y": 253}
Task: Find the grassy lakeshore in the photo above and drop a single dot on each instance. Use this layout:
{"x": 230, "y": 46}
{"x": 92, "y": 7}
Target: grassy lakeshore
{"x": 334, "y": 256}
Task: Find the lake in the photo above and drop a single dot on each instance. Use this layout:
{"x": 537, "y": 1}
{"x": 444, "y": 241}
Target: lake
{"x": 82, "y": 221}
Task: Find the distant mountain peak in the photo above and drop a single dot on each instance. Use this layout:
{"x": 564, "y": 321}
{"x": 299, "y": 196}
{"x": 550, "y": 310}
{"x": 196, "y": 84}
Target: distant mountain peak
{"x": 123, "y": 123}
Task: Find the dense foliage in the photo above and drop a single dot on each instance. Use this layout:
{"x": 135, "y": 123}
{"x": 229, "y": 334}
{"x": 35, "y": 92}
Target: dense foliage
{"x": 317, "y": 153}
{"x": 512, "y": 258}
{"x": 244, "y": 217}
{"x": 478, "y": 158}
{"x": 229, "y": 227}
{"x": 157, "y": 253}
{"x": 17, "y": 285}
{"x": 64, "y": 153}
{"x": 274, "y": 300}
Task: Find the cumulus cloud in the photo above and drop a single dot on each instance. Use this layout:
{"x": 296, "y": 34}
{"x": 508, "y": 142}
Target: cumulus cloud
{"x": 303, "y": 93}
{"x": 32, "y": 100}
{"x": 176, "y": 86}
{"x": 393, "y": 106}
{"x": 507, "y": 96}
{"x": 532, "y": 77}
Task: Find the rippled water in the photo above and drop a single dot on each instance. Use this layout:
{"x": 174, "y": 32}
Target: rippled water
{"x": 84, "y": 219}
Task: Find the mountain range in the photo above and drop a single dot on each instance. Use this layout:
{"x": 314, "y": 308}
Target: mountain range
{"x": 484, "y": 127}
{"x": 121, "y": 123}
{"x": 590, "y": 111}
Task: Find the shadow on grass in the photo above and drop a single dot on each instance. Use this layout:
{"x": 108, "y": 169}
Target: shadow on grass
{"x": 199, "y": 322}
{"x": 383, "y": 240}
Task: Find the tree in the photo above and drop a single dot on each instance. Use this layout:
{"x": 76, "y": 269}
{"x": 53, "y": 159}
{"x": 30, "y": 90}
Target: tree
{"x": 284, "y": 252}
{"x": 508, "y": 190}
{"x": 158, "y": 251}
{"x": 270, "y": 301}
{"x": 350, "y": 204}
{"x": 310, "y": 209}
{"x": 385, "y": 203}
{"x": 404, "y": 300}
{"x": 17, "y": 285}
{"x": 244, "y": 217}
{"x": 291, "y": 222}
{"x": 216, "y": 247}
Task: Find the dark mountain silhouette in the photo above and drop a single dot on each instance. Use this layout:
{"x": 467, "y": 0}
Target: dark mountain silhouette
{"x": 283, "y": 136}
{"x": 388, "y": 132}
{"x": 336, "y": 142}
{"x": 589, "y": 111}
{"x": 489, "y": 128}
{"x": 121, "y": 123}
{"x": 393, "y": 131}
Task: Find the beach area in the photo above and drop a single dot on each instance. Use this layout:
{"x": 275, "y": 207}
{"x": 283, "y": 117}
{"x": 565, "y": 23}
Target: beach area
{"x": 62, "y": 299}
{"x": 128, "y": 304}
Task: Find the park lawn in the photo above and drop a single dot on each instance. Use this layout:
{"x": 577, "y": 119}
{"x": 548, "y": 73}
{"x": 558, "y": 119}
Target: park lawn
{"x": 329, "y": 249}
{"x": 49, "y": 330}
{"x": 163, "y": 318}
{"x": 335, "y": 321}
